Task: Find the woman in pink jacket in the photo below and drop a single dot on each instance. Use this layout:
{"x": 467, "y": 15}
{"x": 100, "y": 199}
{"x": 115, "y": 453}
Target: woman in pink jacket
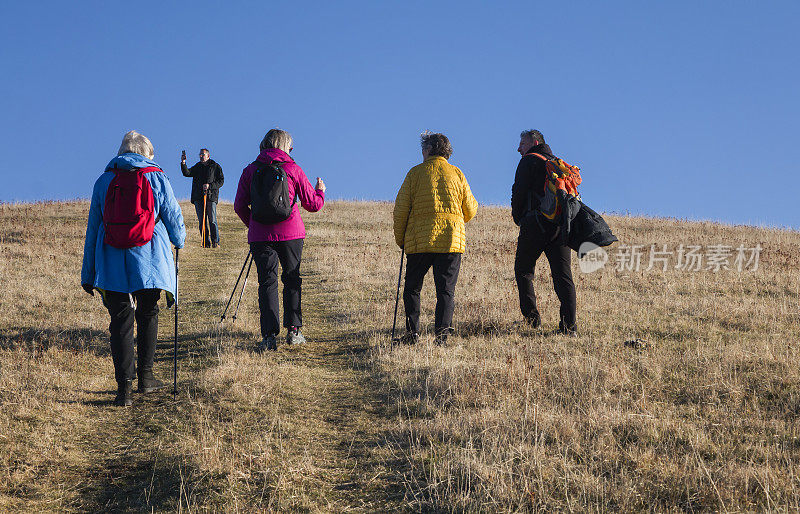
{"x": 280, "y": 242}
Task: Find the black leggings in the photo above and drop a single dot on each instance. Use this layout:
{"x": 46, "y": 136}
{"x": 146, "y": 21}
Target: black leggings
{"x": 123, "y": 313}
{"x": 267, "y": 255}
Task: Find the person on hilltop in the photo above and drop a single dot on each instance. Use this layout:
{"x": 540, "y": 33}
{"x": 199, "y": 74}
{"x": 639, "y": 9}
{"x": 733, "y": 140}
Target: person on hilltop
{"x": 430, "y": 211}
{"x": 536, "y": 237}
{"x": 133, "y": 218}
{"x": 207, "y": 179}
{"x": 266, "y": 202}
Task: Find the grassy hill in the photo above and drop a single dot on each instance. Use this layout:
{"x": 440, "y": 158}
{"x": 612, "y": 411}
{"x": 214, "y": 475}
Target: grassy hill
{"x": 701, "y": 415}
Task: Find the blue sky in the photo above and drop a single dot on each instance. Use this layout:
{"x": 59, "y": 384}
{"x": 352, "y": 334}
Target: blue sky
{"x": 685, "y": 109}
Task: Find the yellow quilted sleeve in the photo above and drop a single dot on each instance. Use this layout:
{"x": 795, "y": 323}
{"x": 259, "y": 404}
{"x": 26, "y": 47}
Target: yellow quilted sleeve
{"x": 402, "y": 209}
{"x": 469, "y": 205}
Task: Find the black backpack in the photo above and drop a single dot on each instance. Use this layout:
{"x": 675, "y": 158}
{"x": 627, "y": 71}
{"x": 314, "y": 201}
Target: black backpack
{"x": 269, "y": 194}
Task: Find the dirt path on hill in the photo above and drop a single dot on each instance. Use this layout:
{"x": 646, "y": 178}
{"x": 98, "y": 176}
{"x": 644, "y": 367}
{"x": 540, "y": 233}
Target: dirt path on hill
{"x": 303, "y": 429}
{"x": 349, "y": 443}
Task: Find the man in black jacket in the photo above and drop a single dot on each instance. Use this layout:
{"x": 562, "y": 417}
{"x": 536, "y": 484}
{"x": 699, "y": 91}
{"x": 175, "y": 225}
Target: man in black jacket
{"x": 538, "y": 235}
{"x": 207, "y": 178}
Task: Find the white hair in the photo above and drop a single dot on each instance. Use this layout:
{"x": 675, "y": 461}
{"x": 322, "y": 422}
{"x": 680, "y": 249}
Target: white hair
{"x": 277, "y": 138}
{"x": 133, "y": 142}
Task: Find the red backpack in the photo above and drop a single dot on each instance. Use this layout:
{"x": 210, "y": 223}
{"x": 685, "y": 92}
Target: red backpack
{"x": 561, "y": 183}
{"x": 128, "y": 214}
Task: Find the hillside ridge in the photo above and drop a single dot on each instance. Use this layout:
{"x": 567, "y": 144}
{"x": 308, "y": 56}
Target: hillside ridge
{"x": 506, "y": 418}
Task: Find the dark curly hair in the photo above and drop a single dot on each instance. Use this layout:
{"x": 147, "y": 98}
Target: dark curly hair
{"x": 436, "y": 144}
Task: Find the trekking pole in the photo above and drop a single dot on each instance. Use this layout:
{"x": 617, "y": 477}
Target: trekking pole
{"x": 175, "y": 345}
{"x": 397, "y": 298}
{"x": 203, "y": 230}
{"x": 246, "y": 258}
{"x": 241, "y": 293}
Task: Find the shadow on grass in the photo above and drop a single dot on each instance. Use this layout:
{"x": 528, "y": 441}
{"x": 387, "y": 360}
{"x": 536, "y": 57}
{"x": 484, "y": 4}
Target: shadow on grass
{"x": 158, "y": 398}
{"x": 489, "y": 328}
{"x": 96, "y": 342}
{"x": 190, "y": 346}
{"x": 195, "y": 344}
{"x": 200, "y": 344}
{"x": 373, "y": 453}
{"x": 144, "y": 481}
{"x": 39, "y": 340}
{"x": 412, "y": 396}
{"x": 359, "y": 340}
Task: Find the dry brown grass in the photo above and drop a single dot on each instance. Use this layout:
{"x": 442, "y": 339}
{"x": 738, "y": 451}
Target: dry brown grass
{"x": 509, "y": 418}
{"x": 287, "y": 431}
{"x": 504, "y": 419}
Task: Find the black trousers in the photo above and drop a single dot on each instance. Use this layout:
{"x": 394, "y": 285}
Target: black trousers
{"x": 267, "y": 255}
{"x": 445, "y": 276}
{"x": 123, "y": 312}
{"x": 530, "y": 245}
{"x": 212, "y": 232}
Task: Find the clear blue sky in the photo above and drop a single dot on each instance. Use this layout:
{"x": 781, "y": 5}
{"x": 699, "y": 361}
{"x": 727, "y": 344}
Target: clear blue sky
{"x": 683, "y": 108}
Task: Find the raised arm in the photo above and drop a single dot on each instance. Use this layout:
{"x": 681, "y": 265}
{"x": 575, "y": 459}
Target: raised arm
{"x": 186, "y": 171}
{"x": 311, "y": 199}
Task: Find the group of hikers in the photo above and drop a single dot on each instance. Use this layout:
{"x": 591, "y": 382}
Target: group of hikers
{"x": 134, "y": 216}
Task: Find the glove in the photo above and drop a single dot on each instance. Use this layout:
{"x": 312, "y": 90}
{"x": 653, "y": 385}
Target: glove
{"x": 88, "y": 288}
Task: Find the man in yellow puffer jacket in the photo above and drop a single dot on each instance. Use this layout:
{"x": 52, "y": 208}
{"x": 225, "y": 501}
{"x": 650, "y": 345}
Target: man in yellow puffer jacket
{"x": 430, "y": 211}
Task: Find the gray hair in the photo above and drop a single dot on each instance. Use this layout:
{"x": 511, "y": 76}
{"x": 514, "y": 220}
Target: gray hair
{"x": 133, "y": 142}
{"x": 436, "y": 144}
{"x": 277, "y": 138}
{"x": 534, "y": 135}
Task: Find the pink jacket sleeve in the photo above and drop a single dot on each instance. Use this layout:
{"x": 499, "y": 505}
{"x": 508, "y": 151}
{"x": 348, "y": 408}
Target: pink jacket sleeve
{"x": 241, "y": 205}
{"x": 311, "y": 199}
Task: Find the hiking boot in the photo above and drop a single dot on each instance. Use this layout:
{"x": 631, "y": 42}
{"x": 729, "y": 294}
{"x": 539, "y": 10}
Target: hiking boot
{"x": 533, "y": 321}
{"x": 124, "y": 392}
{"x": 149, "y": 383}
{"x": 567, "y": 331}
{"x": 268, "y": 343}
{"x": 442, "y": 335}
{"x": 408, "y": 338}
{"x": 294, "y": 336}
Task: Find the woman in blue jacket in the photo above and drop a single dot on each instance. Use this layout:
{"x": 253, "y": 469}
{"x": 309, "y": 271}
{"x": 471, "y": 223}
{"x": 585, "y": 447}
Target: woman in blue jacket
{"x": 130, "y": 280}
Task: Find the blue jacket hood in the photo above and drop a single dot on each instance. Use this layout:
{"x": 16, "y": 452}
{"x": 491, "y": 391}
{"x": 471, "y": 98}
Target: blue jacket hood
{"x": 129, "y": 161}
